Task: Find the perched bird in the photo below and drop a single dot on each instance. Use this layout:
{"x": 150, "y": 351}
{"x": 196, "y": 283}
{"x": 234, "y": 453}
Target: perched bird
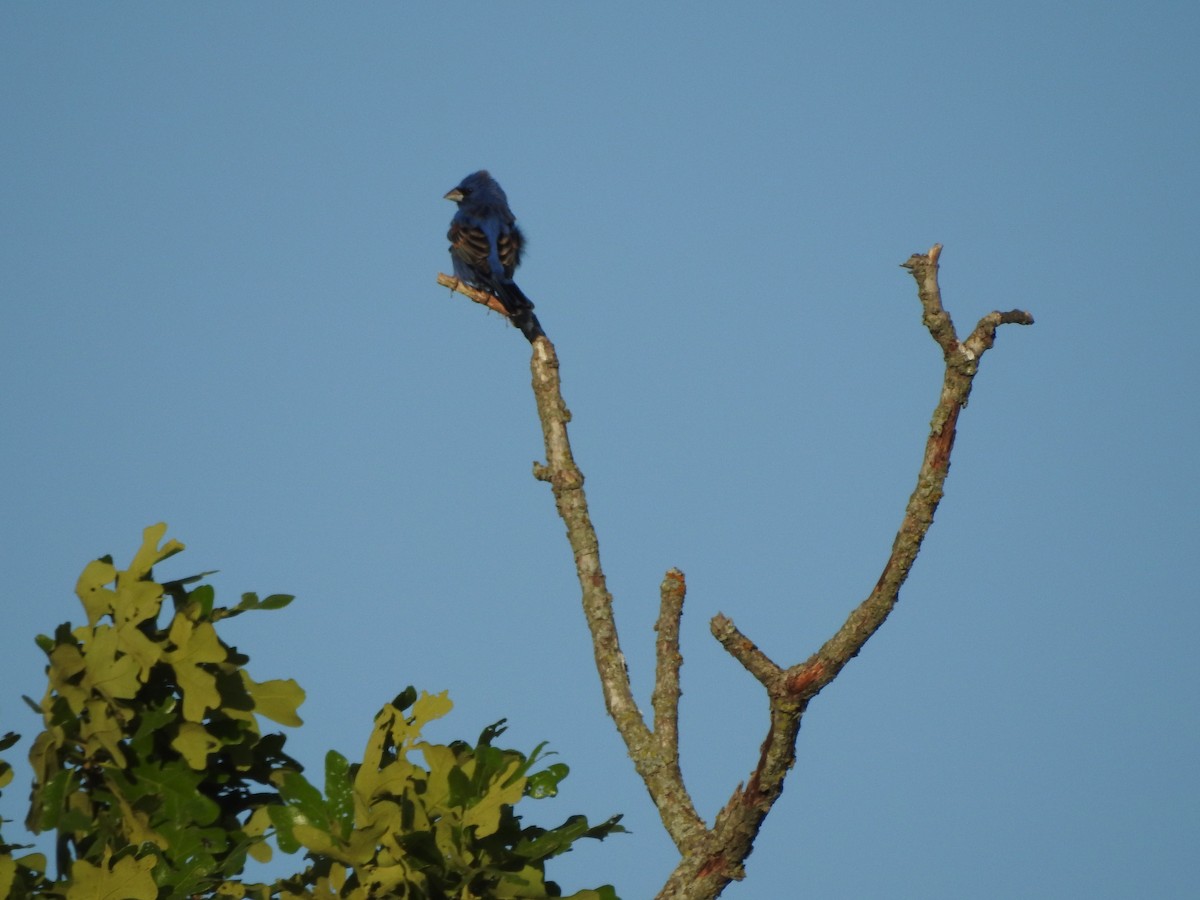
{"x": 485, "y": 245}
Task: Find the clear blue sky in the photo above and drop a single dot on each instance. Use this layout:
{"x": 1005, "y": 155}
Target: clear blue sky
{"x": 221, "y": 227}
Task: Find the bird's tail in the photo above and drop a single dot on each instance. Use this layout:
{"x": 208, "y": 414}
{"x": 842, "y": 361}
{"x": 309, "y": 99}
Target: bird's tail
{"x": 520, "y": 311}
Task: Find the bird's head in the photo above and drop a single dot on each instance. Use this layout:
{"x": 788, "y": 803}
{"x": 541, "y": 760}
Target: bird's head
{"x": 479, "y": 188}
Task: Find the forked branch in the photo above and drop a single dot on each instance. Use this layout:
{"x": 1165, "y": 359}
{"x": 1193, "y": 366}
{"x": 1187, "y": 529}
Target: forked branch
{"x": 713, "y": 856}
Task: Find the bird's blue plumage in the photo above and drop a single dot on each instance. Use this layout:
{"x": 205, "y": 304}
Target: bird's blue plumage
{"x": 486, "y": 245}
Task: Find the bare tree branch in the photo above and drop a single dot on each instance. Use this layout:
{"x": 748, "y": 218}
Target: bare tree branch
{"x": 665, "y": 698}
{"x": 656, "y": 757}
{"x": 746, "y": 652}
{"x": 481, "y": 297}
{"x": 737, "y": 825}
{"x": 712, "y": 857}
{"x": 665, "y": 701}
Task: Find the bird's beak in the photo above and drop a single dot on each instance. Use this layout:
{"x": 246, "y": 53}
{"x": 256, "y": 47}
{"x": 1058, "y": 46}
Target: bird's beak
{"x": 455, "y": 195}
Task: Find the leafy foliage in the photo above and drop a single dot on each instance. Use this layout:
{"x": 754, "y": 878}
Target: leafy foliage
{"x": 20, "y": 876}
{"x": 390, "y": 826}
{"x": 159, "y": 782}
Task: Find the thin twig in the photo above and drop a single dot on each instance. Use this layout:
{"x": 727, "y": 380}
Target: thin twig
{"x": 746, "y": 652}
{"x": 481, "y": 297}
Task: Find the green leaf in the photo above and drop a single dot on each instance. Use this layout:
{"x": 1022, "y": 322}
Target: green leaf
{"x": 298, "y": 794}
{"x": 174, "y": 787}
{"x": 558, "y": 840}
{"x": 545, "y": 783}
{"x": 203, "y": 598}
{"x": 250, "y": 601}
{"x": 48, "y": 799}
{"x": 339, "y": 791}
{"x": 277, "y": 601}
{"x": 405, "y": 698}
{"x": 491, "y": 732}
{"x": 152, "y": 720}
{"x": 284, "y": 818}
{"x": 607, "y": 827}
{"x": 461, "y": 790}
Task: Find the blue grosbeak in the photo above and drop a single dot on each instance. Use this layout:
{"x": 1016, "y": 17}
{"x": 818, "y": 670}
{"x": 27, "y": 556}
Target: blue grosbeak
{"x": 486, "y": 244}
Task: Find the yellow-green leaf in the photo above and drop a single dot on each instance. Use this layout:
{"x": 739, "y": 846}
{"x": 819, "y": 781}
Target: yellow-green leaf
{"x": 529, "y": 882}
{"x": 8, "y": 873}
{"x": 361, "y": 845}
{"x": 403, "y": 731}
{"x": 96, "y": 598}
{"x": 389, "y": 878}
{"x": 135, "y": 824}
{"x": 42, "y": 757}
{"x": 128, "y": 879}
{"x": 429, "y": 707}
{"x": 111, "y": 675}
{"x": 101, "y": 729}
{"x": 145, "y": 652}
{"x": 277, "y": 699}
{"x": 260, "y": 852}
{"x": 440, "y": 760}
{"x": 34, "y": 862}
{"x": 136, "y": 601}
{"x": 256, "y": 826}
{"x": 485, "y": 815}
{"x": 393, "y": 780}
{"x": 373, "y": 754}
{"x": 66, "y": 663}
{"x": 194, "y": 743}
{"x": 316, "y": 840}
{"x": 337, "y": 876}
{"x": 149, "y": 554}
{"x": 195, "y": 643}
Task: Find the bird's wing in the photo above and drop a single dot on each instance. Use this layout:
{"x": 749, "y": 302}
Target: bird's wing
{"x": 509, "y": 249}
{"x": 471, "y": 245}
